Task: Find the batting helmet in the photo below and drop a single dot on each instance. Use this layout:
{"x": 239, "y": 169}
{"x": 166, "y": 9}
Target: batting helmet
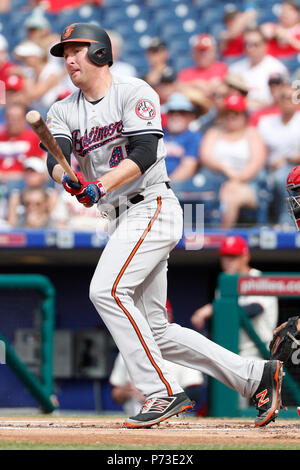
{"x": 96, "y": 37}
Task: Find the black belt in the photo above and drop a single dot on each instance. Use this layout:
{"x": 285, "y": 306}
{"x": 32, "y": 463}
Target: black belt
{"x": 134, "y": 200}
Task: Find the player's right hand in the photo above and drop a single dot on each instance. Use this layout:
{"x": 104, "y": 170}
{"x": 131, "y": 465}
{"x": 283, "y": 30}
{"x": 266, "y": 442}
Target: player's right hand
{"x": 71, "y": 187}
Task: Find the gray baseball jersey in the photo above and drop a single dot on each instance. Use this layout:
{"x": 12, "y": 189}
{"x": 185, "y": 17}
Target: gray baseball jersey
{"x": 99, "y": 132}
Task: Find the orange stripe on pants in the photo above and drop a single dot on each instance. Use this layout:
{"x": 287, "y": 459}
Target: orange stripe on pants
{"x": 113, "y": 292}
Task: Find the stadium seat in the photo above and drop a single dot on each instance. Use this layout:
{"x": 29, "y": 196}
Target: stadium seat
{"x": 181, "y": 62}
{"x": 292, "y": 63}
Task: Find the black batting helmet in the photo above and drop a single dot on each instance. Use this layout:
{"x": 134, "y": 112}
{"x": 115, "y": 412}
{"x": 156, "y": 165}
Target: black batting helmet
{"x": 96, "y": 37}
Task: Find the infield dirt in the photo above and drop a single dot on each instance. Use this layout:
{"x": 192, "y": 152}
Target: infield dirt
{"x": 183, "y": 431}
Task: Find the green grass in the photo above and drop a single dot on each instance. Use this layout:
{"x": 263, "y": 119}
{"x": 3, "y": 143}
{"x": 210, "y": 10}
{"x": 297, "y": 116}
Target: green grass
{"x": 35, "y": 446}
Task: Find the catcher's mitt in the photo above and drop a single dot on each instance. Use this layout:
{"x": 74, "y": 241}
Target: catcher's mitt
{"x": 281, "y": 346}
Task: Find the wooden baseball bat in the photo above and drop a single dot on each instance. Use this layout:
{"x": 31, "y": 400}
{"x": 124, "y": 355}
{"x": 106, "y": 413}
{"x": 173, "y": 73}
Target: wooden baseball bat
{"x": 38, "y": 125}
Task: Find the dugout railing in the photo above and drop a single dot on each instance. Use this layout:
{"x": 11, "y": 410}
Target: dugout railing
{"x": 41, "y": 390}
{"x": 227, "y": 320}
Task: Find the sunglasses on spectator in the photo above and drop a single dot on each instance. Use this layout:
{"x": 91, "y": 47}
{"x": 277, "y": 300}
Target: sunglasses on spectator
{"x": 253, "y": 43}
{"x": 219, "y": 95}
{"x": 286, "y": 97}
{"x": 34, "y": 203}
{"x": 181, "y": 111}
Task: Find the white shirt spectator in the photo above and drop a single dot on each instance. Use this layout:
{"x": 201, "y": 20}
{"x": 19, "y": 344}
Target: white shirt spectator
{"x": 282, "y": 140}
{"x": 263, "y": 324}
{"x": 256, "y": 77}
{"x": 69, "y": 213}
{"x": 51, "y": 95}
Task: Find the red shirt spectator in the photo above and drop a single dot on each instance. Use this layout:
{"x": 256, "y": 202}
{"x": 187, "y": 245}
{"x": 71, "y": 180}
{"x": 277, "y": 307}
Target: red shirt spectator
{"x": 284, "y": 37}
{"x": 232, "y": 37}
{"x": 55, "y": 6}
{"x": 17, "y": 142}
{"x": 207, "y": 69}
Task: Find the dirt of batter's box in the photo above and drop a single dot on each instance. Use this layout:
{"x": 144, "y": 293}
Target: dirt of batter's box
{"x": 103, "y": 430}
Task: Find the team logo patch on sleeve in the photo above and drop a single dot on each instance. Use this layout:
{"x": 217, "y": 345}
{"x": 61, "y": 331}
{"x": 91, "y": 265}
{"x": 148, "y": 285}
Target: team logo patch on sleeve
{"x": 145, "y": 109}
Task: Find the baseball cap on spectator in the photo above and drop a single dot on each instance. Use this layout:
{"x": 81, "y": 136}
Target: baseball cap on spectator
{"x": 233, "y": 245}
{"x": 178, "y": 102}
{"x": 36, "y": 22}
{"x": 156, "y": 44}
{"x": 34, "y": 163}
{"x": 203, "y": 42}
{"x": 14, "y": 83}
{"x": 277, "y": 79}
{"x": 28, "y": 49}
{"x": 168, "y": 76}
{"x": 236, "y": 103}
{"x": 3, "y": 43}
{"x": 198, "y": 98}
{"x": 236, "y": 81}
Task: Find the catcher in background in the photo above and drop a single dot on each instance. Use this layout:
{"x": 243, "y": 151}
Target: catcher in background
{"x": 287, "y": 335}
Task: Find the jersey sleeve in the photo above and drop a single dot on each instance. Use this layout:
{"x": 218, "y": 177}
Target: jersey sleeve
{"x": 141, "y": 112}
{"x": 57, "y": 122}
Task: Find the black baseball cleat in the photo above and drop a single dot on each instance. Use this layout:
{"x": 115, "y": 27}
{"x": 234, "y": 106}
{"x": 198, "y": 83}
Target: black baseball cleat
{"x": 267, "y": 397}
{"x": 158, "y": 409}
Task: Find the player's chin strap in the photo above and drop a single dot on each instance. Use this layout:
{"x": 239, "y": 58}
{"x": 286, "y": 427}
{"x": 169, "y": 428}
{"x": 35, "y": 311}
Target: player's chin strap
{"x": 293, "y": 205}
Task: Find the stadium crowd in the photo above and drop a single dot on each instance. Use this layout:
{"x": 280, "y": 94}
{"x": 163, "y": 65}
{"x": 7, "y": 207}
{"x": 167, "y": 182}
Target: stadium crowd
{"x": 231, "y": 118}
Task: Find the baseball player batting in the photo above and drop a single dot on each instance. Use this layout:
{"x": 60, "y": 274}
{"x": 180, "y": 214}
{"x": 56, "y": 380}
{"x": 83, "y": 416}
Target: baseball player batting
{"x": 112, "y": 124}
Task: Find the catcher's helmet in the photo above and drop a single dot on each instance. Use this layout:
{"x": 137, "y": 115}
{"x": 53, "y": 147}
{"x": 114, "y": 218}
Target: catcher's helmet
{"x": 293, "y": 200}
{"x": 96, "y": 37}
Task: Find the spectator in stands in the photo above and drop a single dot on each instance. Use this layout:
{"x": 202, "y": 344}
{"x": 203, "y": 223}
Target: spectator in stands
{"x": 284, "y": 37}
{"x": 182, "y": 145}
{"x": 165, "y": 88}
{"x": 217, "y": 102}
{"x": 236, "y": 84}
{"x": 256, "y": 69}
{"x": 232, "y": 157}
{"x": 207, "y": 71}
{"x": 69, "y": 213}
{"x": 15, "y": 90}
{"x": 35, "y": 176}
{"x": 157, "y": 56}
{"x": 43, "y": 79}
{"x": 6, "y": 66}
{"x": 120, "y": 67}
{"x": 17, "y": 142}
{"x": 36, "y": 210}
{"x": 275, "y": 82}
{"x": 125, "y": 394}
{"x": 280, "y": 132}
{"x": 231, "y": 39}
{"x": 261, "y": 310}
{"x": 38, "y": 30}
{"x": 5, "y": 6}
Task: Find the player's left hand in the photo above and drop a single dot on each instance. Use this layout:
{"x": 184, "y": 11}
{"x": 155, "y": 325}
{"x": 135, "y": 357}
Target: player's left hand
{"x": 72, "y": 187}
{"x": 91, "y": 194}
